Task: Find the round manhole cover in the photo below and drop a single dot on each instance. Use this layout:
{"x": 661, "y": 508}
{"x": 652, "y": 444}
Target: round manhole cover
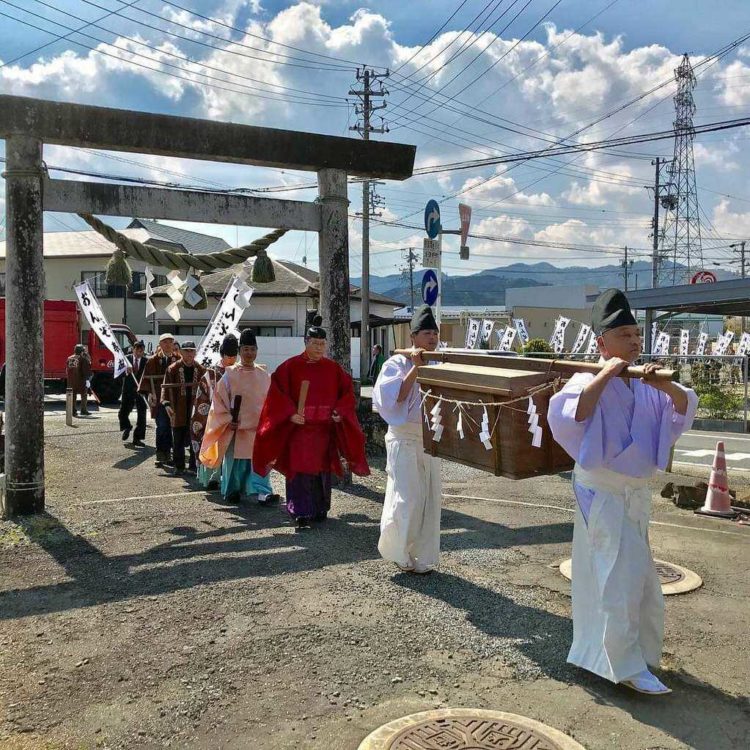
{"x": 674, "y": 579}
{"x": 467, "y": 729}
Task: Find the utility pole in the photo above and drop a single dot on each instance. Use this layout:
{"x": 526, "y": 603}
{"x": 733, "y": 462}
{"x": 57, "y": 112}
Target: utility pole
{"x": 741, "y": 246}
{"x": 411, "y": 259}
{"x": 654, "y": 255}
{"x": 625, "y": 265}
{"x": 655, "y": 228}
{"x": 367, "y": 78}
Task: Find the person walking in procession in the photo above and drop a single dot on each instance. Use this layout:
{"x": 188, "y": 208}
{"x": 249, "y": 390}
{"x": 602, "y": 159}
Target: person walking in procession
{"x": 228, "y": 351}
{"x": 78, "y": 373}
{"x": 131, "y": 398}
{"x": 377, "y": 363}
{"x": 307, "y": 424}
{"x": 177, "y": 394}
{"x": 151, "y": 383}
{"x": 232, "y": 425}
{"x": 619, "y": 431}
{"x": 410, "y": 523}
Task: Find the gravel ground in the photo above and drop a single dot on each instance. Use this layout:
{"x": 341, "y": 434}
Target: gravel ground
{"x": 142, "y": 613}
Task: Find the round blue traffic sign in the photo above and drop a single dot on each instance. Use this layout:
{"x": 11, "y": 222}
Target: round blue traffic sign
{"x": 430, "y": 287}
{"x": 432, "y": 219}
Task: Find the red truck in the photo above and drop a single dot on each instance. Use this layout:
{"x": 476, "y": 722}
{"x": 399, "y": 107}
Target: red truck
{"x": 62, "y": 331}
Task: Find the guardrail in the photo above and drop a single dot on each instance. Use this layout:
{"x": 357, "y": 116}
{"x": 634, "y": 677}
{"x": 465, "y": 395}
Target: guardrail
{"x": 714, "y": 377}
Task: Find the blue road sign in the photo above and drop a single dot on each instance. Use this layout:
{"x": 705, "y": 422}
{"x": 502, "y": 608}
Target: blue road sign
{"x": 432, "y": 219}
{"x": 430, "y": 287}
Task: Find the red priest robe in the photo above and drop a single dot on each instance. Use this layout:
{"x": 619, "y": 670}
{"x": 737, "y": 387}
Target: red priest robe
{"x": 317, "y": 445}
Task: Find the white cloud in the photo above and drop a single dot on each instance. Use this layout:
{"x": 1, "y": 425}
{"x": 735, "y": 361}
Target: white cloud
{"x": 500, "y": 188}
{"x": 731, "y": 223}
{"x": 733, "y": 83}
{"x": 723, "y": 158}
{"x": 553, "y": 87}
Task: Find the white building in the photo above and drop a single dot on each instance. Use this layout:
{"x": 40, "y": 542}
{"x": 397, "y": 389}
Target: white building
{"x": 72, "y": 257}
{"x": 278, "y": 312}
{"x": 454, "y": 320}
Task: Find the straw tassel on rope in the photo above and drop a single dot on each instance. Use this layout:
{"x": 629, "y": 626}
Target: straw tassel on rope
{"x": 118, "y": 271}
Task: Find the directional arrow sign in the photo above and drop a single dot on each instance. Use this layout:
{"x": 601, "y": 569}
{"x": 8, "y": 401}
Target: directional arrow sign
{"x": 430, "y": 287}
{"x": 432, "y": 219}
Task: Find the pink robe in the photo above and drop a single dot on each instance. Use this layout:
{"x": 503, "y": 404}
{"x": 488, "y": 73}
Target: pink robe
{"x": 252, "y": 383}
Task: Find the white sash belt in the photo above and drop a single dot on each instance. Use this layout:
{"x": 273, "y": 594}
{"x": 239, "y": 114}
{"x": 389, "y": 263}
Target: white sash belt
{"x": 408, "y": 431}
{"x": 607, "y": 480}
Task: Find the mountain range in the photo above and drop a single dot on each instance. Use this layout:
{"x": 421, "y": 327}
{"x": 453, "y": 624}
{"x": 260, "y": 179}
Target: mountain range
{"x": 488, "y": 287}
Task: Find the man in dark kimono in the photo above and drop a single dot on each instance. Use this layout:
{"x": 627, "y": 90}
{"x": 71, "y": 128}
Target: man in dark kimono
{"x": 130, "y": 398}
{"x": 78, "y": 373}
{"x": 151, "y": 383}
{"x": 177, "y": 394}
{"x": 307, "y": 424}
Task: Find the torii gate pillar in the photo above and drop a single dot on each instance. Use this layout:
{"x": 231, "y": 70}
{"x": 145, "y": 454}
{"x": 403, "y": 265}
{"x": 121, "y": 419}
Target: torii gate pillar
{"x": 24, "y": 328}
{"x": 333, "y": 261}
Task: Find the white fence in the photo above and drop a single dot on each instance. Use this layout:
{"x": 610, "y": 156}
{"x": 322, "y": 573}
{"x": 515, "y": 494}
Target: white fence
{"x": 272, "y": 350}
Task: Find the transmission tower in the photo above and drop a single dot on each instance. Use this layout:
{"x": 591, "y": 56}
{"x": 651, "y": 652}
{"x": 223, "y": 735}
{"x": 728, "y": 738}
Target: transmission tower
{"x": 681, "y": 253}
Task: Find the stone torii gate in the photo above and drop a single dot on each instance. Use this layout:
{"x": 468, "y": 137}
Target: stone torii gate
{"x": 27, "y": 124}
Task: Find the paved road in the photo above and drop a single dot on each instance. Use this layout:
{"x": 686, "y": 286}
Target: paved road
{"x": 697, "y": 448}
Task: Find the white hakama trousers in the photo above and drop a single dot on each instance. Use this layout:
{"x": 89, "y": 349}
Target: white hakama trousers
{"x": 618, "y": 607}
{"x": 410, "y": 524}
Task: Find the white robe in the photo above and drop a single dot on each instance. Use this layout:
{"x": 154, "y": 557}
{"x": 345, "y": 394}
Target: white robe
{"x": 410, "y": 524}
{"x": 618, "y": 609}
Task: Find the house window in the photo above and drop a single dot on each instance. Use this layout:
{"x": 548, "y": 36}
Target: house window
{"x": 139, "y": 282}
{"x": 99, "y": 285}
{"x": 2, "y": 284}
{"x": 182, "y": 330}
{"x": 274, "y": 331}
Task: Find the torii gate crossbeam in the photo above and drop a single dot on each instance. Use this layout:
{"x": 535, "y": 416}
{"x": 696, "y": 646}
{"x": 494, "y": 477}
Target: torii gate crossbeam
{"x": 26, "y": 124}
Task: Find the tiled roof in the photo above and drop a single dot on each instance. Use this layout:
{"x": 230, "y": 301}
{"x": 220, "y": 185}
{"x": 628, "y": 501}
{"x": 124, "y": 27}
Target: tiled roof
{"x": 193, "y": 242}
{"x": 88, "y": 243}
{"x": 291, "y": 279}
{"x": 92, "y": 244}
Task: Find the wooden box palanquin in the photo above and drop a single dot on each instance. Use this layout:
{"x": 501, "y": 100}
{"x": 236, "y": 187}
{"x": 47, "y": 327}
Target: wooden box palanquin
{"x": 512, "y": 454}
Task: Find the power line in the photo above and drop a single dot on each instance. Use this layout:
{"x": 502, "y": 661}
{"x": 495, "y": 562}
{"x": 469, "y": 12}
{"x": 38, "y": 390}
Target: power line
{"x": 63, "y": 36}
{"x": 450, "y": 44}
{"x": 430, "y": 40}
{"x": 302, "y": 62}
{"x": 245, "y": 89}
{"x": 494, "y": 64}
{"x": 218, "y": 22}
{"x": 578, "y": 148}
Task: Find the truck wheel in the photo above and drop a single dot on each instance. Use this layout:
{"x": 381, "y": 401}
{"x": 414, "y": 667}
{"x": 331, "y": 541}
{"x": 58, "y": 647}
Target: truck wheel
{"x": 107, "y": 388}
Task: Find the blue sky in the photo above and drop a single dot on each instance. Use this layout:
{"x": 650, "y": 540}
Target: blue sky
{"x": 553, "y": 80}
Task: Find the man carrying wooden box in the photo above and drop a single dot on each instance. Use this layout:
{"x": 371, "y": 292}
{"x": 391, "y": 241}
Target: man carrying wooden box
{"x": 410, "y": 524}
{"x": 619, "y": 431}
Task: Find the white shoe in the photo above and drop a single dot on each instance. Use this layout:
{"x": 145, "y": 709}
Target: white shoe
{"x": 646, "y": 682}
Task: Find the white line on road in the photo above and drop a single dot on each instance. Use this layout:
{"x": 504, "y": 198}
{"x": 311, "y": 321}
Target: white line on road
{"x": 571, "y": 510}
{"x": 705, "y": 466}
{"x": 447, "y": 497}
{"x": 726, "y": 437}
{"x": 700, "y": 453}
{"x": 144, "y": 497}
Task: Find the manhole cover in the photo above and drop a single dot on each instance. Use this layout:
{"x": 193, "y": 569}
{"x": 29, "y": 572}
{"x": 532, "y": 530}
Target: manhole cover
{"x": 467, "y": 729}
{"x": 674, "y": 579}
{"x": 668, "y": 573}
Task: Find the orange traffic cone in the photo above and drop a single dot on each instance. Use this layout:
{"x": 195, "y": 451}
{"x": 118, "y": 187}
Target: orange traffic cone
{"x": 718, "y": 500}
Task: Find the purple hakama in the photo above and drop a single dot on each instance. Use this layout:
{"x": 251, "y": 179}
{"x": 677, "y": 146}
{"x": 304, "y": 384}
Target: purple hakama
{"x": 308, "y": 495}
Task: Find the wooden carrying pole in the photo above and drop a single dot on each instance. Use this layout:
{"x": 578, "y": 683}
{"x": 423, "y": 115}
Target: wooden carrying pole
{"x": 563, "y": 366}
{"x": 304, "y": 387}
